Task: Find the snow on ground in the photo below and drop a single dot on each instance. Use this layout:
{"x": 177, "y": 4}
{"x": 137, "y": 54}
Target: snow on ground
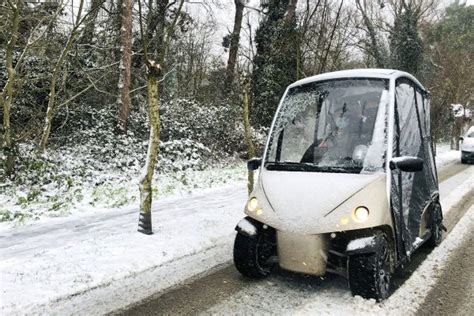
{"x": 445, "y": 155}
{"x": 91, "y": 262}
{"x": 458, "y": 186}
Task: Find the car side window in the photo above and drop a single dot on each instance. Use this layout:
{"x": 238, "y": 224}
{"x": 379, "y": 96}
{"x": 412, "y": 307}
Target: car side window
{"x": 409, "y": 138}
{"x": 420, "y": 104}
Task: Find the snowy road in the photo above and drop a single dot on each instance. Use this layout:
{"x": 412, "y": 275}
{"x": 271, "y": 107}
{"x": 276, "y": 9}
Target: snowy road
{"x": 225, "y": 292}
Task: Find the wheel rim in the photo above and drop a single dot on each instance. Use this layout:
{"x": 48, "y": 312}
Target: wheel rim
{"x": 264, "y": 251}
{"x": 437, "y": 233}
{"x": 436, "y": 228}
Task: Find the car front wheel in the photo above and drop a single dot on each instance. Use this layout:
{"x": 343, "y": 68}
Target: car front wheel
{"x": 370, "y": 274}
{"x": 254, "y": 255}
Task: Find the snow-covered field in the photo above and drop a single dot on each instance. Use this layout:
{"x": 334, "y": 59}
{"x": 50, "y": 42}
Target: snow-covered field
{"x": 94, "y": 262}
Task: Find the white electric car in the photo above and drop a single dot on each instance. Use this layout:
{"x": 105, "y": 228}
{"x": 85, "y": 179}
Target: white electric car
{"x": 347, "y": 183}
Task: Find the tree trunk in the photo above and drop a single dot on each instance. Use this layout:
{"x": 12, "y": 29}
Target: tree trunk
{"x": 290, "y": 11}
{"x": 52, "y": 88}
{"x": 125, "y": 65}
{"x": 248, "y": 132}
{"x": 456, "y": 133}
{"x": 154, "y": 73}
{"x": 6, "y": 97}
{"x": 234, "y": 45}
{"x": 374, "y": 45}
{"x": 322, "y": 66}
{"x": 144, "y": 223}
{"x": 89, "y": 29}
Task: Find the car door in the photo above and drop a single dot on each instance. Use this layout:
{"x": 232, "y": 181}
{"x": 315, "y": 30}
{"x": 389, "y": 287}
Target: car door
{"x": 410, "y": 192}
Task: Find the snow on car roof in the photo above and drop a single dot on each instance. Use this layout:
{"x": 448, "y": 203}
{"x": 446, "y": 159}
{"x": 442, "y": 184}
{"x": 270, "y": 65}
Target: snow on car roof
{"x": 358, "y": 73}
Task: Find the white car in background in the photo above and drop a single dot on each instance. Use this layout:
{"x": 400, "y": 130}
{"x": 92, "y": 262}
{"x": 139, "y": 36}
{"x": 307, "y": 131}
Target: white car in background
{"x": 467, "y": 146}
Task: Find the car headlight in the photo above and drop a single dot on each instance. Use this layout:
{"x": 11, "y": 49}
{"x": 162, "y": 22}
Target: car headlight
{"x": 252, "y": 204}
{"x": 360, "y": 214}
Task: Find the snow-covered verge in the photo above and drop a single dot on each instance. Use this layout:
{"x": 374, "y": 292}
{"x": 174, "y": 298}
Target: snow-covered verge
{"x": 63, "y": 194}
{"x": 89, "y": 166}
{"x": 445, "y": 155}
{"x": 96, "y": 262}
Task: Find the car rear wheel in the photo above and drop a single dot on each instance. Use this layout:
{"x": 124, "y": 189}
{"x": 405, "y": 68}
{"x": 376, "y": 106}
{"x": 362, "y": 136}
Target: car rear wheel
{"x": 253, "y": 256}
{"x": 370, "y": 274}
{"x": 435, "y": 226}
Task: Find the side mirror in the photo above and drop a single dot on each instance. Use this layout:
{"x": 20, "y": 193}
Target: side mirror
{"x": 254, "y": 163}
{"x": 461, "y": 138}
{"x": 406, "y": 163}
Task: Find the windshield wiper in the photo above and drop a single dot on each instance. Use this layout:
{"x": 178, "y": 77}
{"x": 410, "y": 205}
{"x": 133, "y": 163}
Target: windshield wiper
{"x": 341, "y": 169}
{"x": 296, "y": 166}
{"x": 291, "y": 166}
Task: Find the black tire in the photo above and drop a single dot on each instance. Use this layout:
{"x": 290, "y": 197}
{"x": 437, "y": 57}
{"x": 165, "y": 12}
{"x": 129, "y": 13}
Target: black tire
{"x": 252, "y": 255}
{"x": 435, "y": 226}
{"x": 463, "y": 161}
{"x": 370, "y": 274}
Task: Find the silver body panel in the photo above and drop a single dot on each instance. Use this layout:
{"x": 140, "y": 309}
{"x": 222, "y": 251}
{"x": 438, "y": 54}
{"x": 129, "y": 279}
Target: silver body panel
{"x": 302, "y": 253}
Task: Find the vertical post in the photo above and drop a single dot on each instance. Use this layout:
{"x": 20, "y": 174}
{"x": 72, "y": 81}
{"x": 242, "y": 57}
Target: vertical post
{"x": 247, "y": 130}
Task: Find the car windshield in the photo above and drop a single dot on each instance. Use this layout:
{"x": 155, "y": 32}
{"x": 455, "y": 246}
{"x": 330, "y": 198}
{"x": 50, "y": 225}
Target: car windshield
{"x": 331, "y": 126}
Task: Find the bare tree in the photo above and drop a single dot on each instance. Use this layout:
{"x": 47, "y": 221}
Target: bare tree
{"x": 291, "y": 11}
{"x": 247, "y": 128}
{"x": 123, "y": 99}
{"x": 325, "y": 36}
{"x": 154, "y": 75}
{"x": 189, "y": 56}
{"x": 56, "y": 72}
{"x": 89, "y": 29}
{"x": 322, "y": 65}
{"x": 373, "y": 46}
{"x": 6, "y": 96}
{"x": 7, "y": 92}
{"x": 234, "y": 44}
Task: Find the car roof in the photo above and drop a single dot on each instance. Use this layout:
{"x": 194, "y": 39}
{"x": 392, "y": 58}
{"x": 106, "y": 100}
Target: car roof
{"x": 358, "y": 73}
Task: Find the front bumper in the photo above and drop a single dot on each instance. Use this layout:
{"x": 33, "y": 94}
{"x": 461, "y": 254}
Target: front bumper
{"x": 303, "y": 253}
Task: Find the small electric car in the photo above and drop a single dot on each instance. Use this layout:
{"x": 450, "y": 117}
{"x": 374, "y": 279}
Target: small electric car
{"x": 467, "y": 146}
{"x": 347, "y": 183}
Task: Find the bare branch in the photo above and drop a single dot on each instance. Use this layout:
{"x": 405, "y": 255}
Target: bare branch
{"x": 81, "y": 92}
